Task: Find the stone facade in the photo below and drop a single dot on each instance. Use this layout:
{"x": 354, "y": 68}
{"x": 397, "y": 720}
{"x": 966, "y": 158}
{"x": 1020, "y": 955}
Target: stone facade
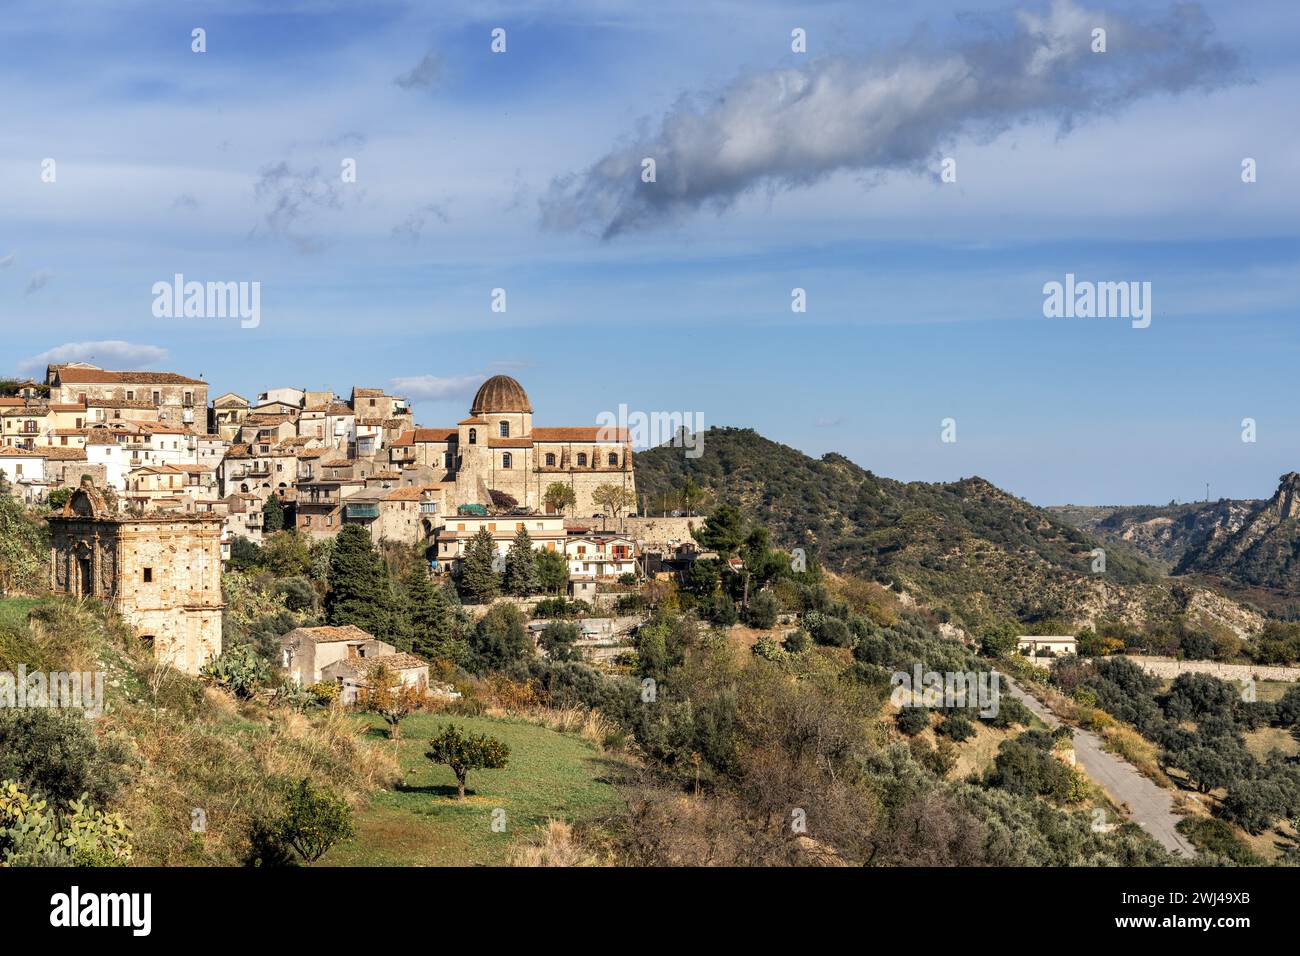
{"x": 181, "y": 401}
{"x": 498, "y": 449}
{"x": 161, "y": 572}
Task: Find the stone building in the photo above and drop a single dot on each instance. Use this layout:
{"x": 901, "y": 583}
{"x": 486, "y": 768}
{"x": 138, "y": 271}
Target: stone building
{"x": 497, "y": 449}
{"x": 161, "y": 572}
{"x": 181, "y": 401}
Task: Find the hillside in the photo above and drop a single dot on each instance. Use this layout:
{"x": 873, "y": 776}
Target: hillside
{"x": 966, "y": 546}
{"x": 1161, "y": 534}
{"x": 1261, "y": 551}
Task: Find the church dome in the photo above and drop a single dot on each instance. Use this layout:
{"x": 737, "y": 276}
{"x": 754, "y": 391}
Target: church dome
{"x": 500, "y": 393}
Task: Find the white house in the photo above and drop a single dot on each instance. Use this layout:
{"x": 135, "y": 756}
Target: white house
{"x": 599, "y": 554}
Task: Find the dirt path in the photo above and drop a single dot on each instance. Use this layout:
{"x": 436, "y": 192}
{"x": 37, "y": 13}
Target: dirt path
{"x": 1150, "y": 806}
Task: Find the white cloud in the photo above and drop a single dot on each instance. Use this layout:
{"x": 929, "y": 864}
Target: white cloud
{"x": 436, "y": 388}
{"x": 111, "y": 353}
{"x": 789, "y": 128}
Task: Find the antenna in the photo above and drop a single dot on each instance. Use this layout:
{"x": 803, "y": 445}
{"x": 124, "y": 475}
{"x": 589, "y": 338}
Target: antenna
{"x": 1207, "y": 491}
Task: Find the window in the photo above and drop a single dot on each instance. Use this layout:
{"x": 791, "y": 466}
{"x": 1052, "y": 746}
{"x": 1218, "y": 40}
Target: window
{"x": 130, "y": 396}
{"x": 550, "y": 460}
{"x": 473, "y": 436}
{"x": 582, "y": 459}
{"x": 157, "y": 397}
{"x": 148, "y": 575}
{"x": 505, "y": 429}
{"x": 613, "y": 458}
{"x": 505, "y": 459}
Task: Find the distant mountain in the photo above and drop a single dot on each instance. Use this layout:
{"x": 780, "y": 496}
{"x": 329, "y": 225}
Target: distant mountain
{"x": 1162, "y": 534}
{"x": 1262, "y": 550}
{"x": 965, "y": 546}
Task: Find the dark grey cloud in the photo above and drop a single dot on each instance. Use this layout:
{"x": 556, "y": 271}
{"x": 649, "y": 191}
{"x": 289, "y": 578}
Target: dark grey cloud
{"x": 38, "y": 281}
{"x": 425, "y": 75}
{"x": 411, "y": 228}
{"x": 292, "y": 199}
{"x": 789, "y": 128}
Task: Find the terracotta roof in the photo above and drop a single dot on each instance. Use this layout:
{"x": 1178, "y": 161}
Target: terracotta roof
{"x": 360, "y": 666}
{"x": 61, "y": 453}
{"x": 426, "y": 435}
{"x": 9, "y": 451}
{"x": 99, "y": 376}
{"x": 329, "y": 635}
{"x": 472, "y": 420}
{"x": 411, "y": 493}
{"x": 510, "y": 443}
{"x": 594, "y": 433}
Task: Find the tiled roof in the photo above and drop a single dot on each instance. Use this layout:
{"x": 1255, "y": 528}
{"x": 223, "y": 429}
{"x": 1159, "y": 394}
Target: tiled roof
{"x": 329, "y": 635}
{"x": 99, "y": 376}
{"x": 593, "y": 433}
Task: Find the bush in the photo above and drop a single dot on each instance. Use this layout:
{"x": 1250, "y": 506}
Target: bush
{"x": 957, "y": 727}
{"x": 1210, "y": 835}
{"x": 310, "y": 822}
{"x": 913, "y": 720}
{"x": 762, "y": 611}
{"x": 797, "y": 641}
{"x": 55, "y": 755}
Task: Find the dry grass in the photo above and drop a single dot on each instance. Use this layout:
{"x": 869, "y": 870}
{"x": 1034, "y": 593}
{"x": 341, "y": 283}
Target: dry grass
{"x": 558, "y": 846}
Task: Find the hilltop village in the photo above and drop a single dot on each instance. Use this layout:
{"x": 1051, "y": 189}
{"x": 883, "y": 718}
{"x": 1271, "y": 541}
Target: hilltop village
{"x": 153, "y": 485}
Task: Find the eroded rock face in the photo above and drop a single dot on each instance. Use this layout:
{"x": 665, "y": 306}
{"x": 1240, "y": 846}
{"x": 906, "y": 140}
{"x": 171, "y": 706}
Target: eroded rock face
{"x": 1264, "y": 551}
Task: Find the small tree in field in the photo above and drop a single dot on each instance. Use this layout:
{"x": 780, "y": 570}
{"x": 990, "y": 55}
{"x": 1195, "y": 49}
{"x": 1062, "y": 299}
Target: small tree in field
{"x": 463, "y": 753}
{"x": 387, "y": 695}
{"x": 313, "y": 820}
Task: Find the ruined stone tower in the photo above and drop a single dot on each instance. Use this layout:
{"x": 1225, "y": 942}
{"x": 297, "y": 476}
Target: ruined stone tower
{"x": 161, "y": 572}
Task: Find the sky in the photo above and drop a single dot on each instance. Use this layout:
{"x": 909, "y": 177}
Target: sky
{"x": 776, "y": 169}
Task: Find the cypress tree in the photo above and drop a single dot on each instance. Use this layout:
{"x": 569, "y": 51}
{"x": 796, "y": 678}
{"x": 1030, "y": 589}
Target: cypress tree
{"x": 359, "y": 591}
{"x": 479, "y": 580}
{"x": 521, "y": 566}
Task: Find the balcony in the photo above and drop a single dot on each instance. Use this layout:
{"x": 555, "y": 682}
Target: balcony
{"x": 363, "y": 511}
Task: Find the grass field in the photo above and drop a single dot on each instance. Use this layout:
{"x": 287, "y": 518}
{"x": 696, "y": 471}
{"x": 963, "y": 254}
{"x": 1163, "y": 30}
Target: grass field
{"x": 13, "y": 611}
{"x": 420, "y": 823}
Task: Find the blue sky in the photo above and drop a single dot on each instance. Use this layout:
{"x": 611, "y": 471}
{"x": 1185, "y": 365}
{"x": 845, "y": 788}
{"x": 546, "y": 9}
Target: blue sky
{"x": 478, "y": 171}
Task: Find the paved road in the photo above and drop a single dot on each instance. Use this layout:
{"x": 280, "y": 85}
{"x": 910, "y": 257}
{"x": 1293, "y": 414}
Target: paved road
{"x": 1150, "y": 806}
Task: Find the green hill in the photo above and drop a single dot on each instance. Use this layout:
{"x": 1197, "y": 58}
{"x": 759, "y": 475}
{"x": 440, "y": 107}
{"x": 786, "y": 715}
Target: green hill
{"x": 966, "y": 546}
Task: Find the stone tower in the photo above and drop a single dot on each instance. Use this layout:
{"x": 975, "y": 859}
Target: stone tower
{"x": 161, "y": 572}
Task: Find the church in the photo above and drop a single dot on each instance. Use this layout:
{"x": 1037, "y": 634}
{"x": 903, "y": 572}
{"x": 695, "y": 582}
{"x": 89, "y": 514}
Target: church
{"x": 497, "y": 449}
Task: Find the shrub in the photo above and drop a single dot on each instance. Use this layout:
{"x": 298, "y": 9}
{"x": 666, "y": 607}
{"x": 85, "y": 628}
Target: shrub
{"x": 56, "y": 755}
{"x": 913, "y": 720}
{"x": 762, "y": 611}
{"x": 956, "y": 726}
{"x": 310, "y": 821}
{"x": 797, "y": 641}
